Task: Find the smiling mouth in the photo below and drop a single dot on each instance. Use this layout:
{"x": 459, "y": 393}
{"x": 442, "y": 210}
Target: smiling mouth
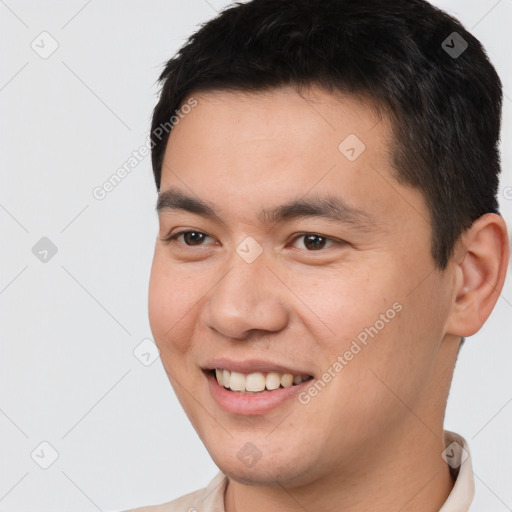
{"x": 257, "y": 382}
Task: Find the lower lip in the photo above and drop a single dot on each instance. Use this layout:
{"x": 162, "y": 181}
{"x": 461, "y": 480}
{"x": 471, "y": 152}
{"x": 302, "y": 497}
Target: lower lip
{"x": 243, "y": 403}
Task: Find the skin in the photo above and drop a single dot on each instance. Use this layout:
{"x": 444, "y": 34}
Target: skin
{"x": 372, "y": 438}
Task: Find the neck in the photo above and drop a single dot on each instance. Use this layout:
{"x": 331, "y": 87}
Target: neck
{"x": 403, "y": 471}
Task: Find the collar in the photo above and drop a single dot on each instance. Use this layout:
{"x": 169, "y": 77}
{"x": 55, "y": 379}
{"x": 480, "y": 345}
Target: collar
{"x": 457, "y": 456}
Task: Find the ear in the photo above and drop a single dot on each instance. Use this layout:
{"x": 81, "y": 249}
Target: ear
{"x": 481, "y": 262}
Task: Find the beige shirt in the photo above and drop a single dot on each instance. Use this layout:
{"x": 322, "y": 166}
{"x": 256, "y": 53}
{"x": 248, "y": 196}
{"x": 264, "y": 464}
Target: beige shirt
{"x": 211, "y": 498}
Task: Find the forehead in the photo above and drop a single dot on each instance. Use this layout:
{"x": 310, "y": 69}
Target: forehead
{"x": 280, "y": 131}
{"x": 302, "y": 114}
{"x": 253, "y": 150}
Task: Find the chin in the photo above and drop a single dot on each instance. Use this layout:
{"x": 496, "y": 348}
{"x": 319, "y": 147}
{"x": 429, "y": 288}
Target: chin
{"x": 276, "y": 470}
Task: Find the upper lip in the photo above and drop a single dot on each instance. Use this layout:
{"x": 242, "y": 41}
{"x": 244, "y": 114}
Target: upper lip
{"x": 251, "y": 366}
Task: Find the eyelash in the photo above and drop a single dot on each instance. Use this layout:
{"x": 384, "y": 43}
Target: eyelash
{"x": 172, "y": 238}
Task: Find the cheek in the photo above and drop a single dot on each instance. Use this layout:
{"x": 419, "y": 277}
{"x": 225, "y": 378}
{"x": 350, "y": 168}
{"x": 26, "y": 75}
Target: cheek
{"x": 397, "y": 363}
{"x": 338, "y": 304}
{"x": 171, "y": 301}
{"x": 361, "y": 321}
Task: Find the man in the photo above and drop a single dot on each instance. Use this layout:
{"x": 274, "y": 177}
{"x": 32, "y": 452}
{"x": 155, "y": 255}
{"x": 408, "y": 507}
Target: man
{"x": 329, "y": 235}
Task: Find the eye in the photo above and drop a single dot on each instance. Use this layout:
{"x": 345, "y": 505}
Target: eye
{"x": 312, "y": 241}
{"x": 190, "y": 238}
{"x": 315, "y": 241}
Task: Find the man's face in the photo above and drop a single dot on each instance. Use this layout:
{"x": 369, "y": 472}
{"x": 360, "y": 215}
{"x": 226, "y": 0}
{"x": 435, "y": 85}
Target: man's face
{"x": 353, "y": 302}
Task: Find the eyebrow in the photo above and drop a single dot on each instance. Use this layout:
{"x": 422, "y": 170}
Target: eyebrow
{"x": 328, "y": 207}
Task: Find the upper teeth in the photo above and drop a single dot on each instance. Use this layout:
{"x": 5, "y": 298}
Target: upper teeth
{"x": 256, "y": 381}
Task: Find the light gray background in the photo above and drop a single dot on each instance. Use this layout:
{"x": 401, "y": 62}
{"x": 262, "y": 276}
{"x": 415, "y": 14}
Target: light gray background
{"x": 68, "y": 327}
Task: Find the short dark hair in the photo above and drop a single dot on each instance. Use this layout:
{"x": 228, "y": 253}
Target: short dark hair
{"x": 401, "y": 55}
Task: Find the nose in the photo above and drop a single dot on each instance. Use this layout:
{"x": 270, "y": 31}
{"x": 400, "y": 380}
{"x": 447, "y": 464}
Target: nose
{"x": 248, "y": 298}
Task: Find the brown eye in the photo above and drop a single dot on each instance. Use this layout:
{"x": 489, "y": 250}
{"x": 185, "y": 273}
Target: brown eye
{"x": 193, "y": 237}
{"x": 190, "y": 238}
{"x": 314, "y": 241}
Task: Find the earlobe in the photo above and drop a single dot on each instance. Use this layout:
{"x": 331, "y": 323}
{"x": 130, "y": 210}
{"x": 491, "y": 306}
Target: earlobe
{"x": 481, "y": 267}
